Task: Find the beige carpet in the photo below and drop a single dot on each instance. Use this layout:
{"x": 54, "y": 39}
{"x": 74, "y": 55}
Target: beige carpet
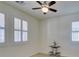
{"x": 40, "y": 55}
{"x": 43, "y": 55}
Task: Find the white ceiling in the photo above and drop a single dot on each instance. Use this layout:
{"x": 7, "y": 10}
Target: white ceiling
{"x": 63, "y": 7}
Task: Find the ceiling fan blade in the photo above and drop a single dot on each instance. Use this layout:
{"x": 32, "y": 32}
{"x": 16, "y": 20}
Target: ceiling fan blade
{"x": 52, "y": 10}
{"x": 36, "y": 8}
{"x": 39, "y": 2}
{"x": 51, "y": 3}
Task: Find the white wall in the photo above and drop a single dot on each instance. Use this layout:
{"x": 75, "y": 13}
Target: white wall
{"x": 59, "y": 29}
{"x": 25, "y": 49}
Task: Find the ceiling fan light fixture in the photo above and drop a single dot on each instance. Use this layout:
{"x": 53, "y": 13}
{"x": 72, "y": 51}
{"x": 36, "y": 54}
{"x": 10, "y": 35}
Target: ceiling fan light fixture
{"x": 44, "y": 9}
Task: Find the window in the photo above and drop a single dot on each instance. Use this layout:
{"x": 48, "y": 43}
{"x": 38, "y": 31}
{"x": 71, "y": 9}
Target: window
{"x": 20, "y": 30}
{"x": 75, "y": 31}
{"x": 2, "y": 28}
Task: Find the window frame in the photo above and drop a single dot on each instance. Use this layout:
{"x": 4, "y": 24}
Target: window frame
{"x": 75, "y": 31}
{"x": 4, "y": 28}
{"x": 20, "y": 30}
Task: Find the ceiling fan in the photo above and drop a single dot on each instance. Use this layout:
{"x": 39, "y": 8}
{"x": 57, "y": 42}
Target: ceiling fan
{"x": 45, "y": 7}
